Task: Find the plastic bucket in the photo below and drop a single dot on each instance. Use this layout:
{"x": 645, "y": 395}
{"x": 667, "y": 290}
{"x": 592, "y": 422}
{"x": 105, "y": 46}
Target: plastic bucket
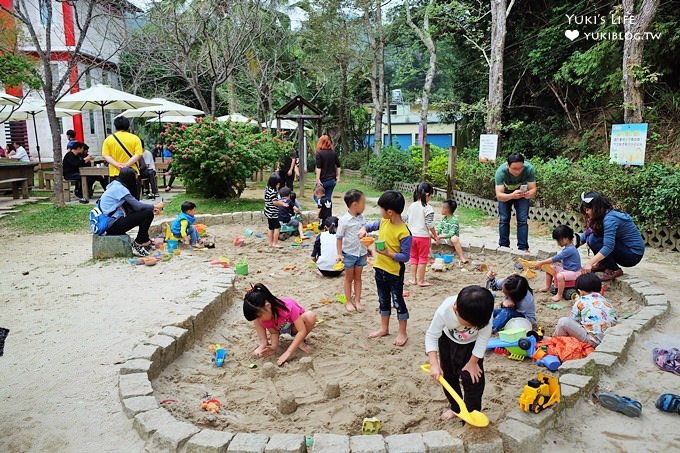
{"x": 380, "y": 245}
{"x": 448, "y": 259}
{"x": 172, "y": 245}
{"x": 242, "y": 269}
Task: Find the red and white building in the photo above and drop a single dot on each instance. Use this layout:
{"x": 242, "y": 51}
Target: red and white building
{"x": 98, "y": 61}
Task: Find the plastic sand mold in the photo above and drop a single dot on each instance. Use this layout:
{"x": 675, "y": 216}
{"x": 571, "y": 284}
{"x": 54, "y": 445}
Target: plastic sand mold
{"x": 341, "y": 298}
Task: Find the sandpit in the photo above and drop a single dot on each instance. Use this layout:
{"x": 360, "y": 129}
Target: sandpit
{"x": 347, "y": 377}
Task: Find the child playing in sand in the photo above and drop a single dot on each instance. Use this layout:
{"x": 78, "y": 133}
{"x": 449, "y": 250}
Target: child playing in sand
{"x": 455, "y": 344}
{"x": 323, "y": 204}
{"x": 420, "y": 219}
{"x": 591, "y": 315}
{"x": 389, "y": 264}
{"x": 289, "y": 212}
{"x": 449, "y": 230}
{"x": 271, "y": 212}
{"x": 183, "y": 226}
{"x": 277, "y": 316}
{"x": 518, "y": 300}
{"x": 350, "y": 249}
{"x": 570, "y": 268}
{"x": 324, "y": 253}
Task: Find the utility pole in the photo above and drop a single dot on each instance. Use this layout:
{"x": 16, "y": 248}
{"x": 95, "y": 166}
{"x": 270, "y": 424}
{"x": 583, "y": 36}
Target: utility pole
{"x": 389, "y": 115}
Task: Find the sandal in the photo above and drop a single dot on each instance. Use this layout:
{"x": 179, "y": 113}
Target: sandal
{"x": 668, "y": 402}
{"x": 611, "y": 275}
{"x": 618, "y": 403}
{"x": 667, "y": 360}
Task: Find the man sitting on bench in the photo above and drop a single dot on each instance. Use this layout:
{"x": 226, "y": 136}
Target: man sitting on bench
{"x": 74, "y": 159}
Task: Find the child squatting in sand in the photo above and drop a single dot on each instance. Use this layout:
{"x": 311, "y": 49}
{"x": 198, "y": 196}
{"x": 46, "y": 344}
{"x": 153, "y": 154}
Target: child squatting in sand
{"x": 277, "y": 316}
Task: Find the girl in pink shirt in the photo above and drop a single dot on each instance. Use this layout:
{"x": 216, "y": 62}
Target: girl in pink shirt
{"x": 277, "y": 315}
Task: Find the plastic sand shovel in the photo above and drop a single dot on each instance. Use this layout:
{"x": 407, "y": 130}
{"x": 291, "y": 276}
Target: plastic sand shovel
{"x": 220, "y": 356}
{"x": 474, "y": 418}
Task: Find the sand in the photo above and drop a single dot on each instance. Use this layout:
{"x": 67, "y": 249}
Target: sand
{"x": 375, "y": 378}
{"x": 73, "y": 321}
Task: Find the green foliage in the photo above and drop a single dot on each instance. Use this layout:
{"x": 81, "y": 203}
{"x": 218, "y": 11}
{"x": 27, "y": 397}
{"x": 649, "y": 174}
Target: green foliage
{"x": 534, "y": 138}
{"x": 355, "y": 159}
{"x": 475, "y": 177}
{"x": 17, "y": 69}
{"x": 392, "y": 165}
{"x": 660, "y": 204}
{"x": 215, "y": 158}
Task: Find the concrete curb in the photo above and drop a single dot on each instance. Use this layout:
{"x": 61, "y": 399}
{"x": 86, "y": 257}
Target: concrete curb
{"x": 520, "y": 430}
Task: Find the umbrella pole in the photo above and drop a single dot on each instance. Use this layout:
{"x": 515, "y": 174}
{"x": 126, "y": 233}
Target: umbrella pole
{"x": 37, "y": 143}
{"x": 103, "y": 121}
{"x": 160, "y": 139}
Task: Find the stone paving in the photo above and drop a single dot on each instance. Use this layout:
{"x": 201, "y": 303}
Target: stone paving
{"x": 519, "y": 432}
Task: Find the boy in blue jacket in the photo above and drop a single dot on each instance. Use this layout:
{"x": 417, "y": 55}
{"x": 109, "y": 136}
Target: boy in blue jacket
{"x": 183, "y": 226}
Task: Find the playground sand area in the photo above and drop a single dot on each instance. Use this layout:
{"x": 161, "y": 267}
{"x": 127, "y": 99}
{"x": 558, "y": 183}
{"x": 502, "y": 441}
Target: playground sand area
{"x": 347, "y": 376}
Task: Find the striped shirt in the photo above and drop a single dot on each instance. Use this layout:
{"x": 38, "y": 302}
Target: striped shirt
{"x": 270, "y": 196}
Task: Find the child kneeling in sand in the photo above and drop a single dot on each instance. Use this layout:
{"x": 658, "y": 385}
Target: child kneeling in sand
{"x": 324, "y": 250}
{"x": 591, "y": 316}
{"x": 277, "y": 315}
{"x": 455, "y": 344}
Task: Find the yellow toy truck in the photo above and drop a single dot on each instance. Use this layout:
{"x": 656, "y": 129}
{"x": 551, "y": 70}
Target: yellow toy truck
{"x": 540, "y": 393}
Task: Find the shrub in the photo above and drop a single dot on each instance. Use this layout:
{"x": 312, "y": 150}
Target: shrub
{"x": 390, "y": 166}
{"x": 355, "y": 159}
{"x": 216, "y": 158}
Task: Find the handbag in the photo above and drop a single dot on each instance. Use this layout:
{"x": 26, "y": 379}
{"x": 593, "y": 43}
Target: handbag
{"x": 99, "y": 221}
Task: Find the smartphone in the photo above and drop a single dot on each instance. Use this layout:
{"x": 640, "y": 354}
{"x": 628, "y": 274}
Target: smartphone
{"x": 524, "y": 187}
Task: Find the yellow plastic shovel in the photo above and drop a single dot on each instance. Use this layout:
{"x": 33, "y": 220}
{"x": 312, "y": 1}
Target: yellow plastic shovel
{"x": 475, "y": 418}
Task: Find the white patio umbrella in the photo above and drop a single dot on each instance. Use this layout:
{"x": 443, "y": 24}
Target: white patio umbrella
{"x": 7, "y": 99}
{"x": 184, "y": 119}
{"x": 237, "y": 118}
{"x": 287, "y": 125}
{"x": 163, "y": 108}
{"x": 105, "y": 98}
{"x": 35, "y": 108}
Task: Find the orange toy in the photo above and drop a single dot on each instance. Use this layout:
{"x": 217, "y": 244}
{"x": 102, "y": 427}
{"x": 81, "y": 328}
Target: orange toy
{"x": 213, "y": 406}
{"x": 367, "y": 241}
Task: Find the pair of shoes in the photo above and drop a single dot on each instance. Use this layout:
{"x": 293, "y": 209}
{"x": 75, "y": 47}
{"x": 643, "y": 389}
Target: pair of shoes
{"x": 168, "y": 189}
{"x": 618, "y": 403}
{"x": 139, "y": 250}
{"x": 84, "y": 200}
{"x": 668, "y": 402}
{"x": 598, "y": 268}
{"x": 667, "y": 360}
{"x": 611, "y": 275}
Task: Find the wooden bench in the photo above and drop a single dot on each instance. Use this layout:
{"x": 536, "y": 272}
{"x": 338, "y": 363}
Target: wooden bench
{"x": 66, "y": 185}
{"x": 17, "y": 185}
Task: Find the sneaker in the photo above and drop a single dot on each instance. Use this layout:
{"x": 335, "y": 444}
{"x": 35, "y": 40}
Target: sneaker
{"x": 150, "y": 197}
{"x": 84, "y": 200}
{"x": 138, "y": 250}
{"x": 156, "y": 195}
{"x": 168, "y": 189}
{"x": 622, "y": 404}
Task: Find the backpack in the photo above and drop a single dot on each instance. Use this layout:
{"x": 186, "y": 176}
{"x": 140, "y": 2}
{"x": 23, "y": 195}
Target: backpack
{"x": 99, "y": 221}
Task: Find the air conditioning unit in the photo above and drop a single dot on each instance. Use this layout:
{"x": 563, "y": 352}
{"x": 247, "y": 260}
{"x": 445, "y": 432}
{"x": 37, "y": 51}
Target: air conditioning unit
{"x": 397, "y": 97}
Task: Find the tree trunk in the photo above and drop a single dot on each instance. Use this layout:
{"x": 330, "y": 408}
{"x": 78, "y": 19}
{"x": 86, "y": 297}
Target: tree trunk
{"x": 633, "y": 103}
{"x": 342, "y": 114}
{"x": 232, "y": 94}
{"x": 376, "y": 38}
{"x": 426, "y": 38}
{"x": 495, "y": 100}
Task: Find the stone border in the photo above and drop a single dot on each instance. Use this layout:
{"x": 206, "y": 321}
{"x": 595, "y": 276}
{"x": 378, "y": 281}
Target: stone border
{"x": 519, "y": 432}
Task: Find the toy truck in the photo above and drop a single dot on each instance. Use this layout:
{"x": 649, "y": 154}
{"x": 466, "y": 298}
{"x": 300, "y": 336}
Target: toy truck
{"x": 540, "y": 393}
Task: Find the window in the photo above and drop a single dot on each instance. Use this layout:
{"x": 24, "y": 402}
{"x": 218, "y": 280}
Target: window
{"x": 44, "y": 12}
{"x": 393, "y": 109}
{"x": 91, "y": 115}
{"x": 88, "y": 79}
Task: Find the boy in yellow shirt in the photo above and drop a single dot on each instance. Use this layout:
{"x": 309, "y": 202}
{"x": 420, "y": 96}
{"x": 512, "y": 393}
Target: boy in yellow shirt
{"x": 390, "y": 263}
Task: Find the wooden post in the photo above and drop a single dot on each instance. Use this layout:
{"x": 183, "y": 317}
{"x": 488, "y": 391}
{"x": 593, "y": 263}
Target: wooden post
{"x": 453, "y": 154}
{"x": 302, "y": 153}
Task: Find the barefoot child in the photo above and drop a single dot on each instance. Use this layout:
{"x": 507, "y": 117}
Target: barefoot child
{"x": 449, "y": 229}
{"x": 389, "y": 264}
{"x": 277, "y": 315}
{"x": 421, "y": 223}
{"x": 350, "y": 250}
{"x": 591, "y": 316}
{"x": 455, "y": 344}
{"x": 518, "y": 300}
{"x": 183, "y": 226}
{"x": 271, "y": 212}
{"x": 324, "y": 250}
{"x": 569, "y": 270}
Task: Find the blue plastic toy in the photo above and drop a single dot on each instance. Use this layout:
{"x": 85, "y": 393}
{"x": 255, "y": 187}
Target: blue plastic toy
{"x": 551, "y": 362}
{"x": 220, "y": 356}
{"x": 518, "y": 349}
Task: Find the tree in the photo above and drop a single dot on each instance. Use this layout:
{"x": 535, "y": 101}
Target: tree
{"x": 635, "y": 25}
{"x": 202, "y": 42}
{"x": 376, "y": 42}
{"x": 425, "y": 35}
{"x": 104, "y": 18}
{"x": 499, "y": 15}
